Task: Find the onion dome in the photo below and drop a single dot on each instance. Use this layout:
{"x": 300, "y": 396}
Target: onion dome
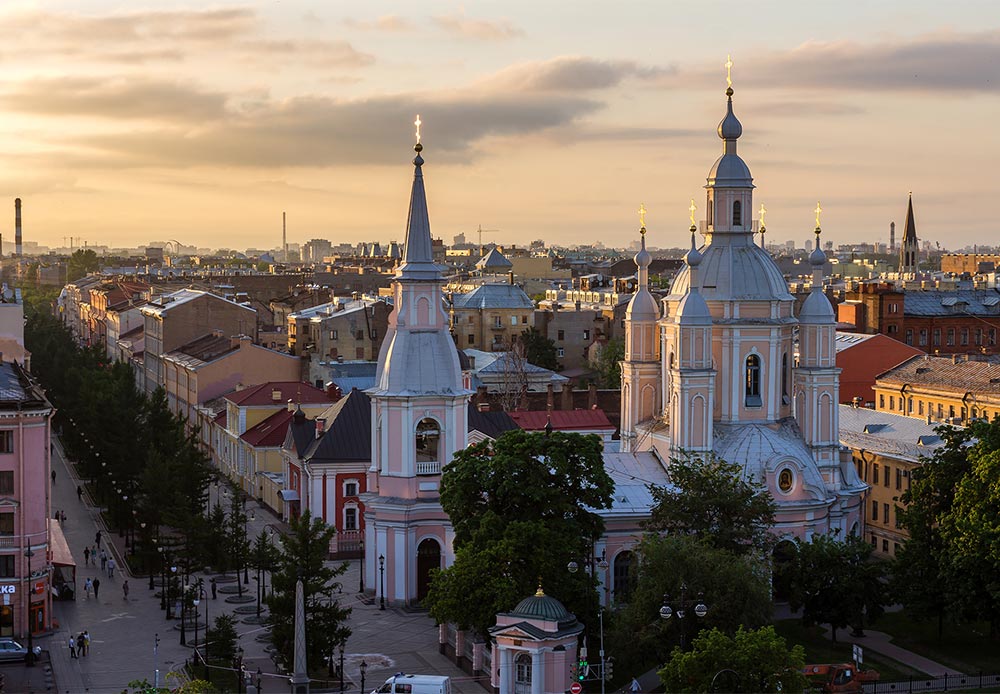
{"x": 730, "y": 127}
{"x": 693, "y": 309}
{"x": 693, "y": 257}
{"x": 817, "y": 308}
{"x": 642, "y": 306}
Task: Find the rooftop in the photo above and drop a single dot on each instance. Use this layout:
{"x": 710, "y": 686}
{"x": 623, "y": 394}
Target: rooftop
{"x": 979, "y": 375}
{"x": 563, "y": 420}
{"x": 277, "y": 392}
{"x": 493, "y": 296}
{"x": 893, "y": 435}
{"x": 942, "y": 302}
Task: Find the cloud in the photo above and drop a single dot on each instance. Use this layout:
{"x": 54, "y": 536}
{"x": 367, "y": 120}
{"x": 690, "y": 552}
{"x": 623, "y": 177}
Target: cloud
{"x": 388, "y": 22}
{"x": 946, "y": 61}
{"x": 328, "y": 53}
{"x": 120, "y": 99}
{"x": 570, "y": 73}
{"x": 797, "y": 109}
{"x": 481, "y": 29}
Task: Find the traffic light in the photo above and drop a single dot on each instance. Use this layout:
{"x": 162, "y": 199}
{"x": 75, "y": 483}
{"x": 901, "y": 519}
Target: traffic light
{"x": 572, "y": 671}
{"x": 608, "y": 669}
{"x": 581, "y": 671}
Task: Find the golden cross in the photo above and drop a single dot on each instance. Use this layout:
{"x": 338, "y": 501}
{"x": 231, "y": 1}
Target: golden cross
{"x": 642, "y": 217}
{"x": 691, "y": 210}
{"x": 729, "y": 71}
{"x": 818, "y": 210}
{"x": 418, "y": 123}
{"x": 763, "y": 212}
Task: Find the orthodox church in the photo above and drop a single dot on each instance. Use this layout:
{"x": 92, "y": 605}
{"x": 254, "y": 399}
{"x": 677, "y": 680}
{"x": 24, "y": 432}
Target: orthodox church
{"x": 712, "y": 371}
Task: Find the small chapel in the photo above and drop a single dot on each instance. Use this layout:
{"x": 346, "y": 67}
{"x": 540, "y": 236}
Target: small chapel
{"x": 721, "y": 367}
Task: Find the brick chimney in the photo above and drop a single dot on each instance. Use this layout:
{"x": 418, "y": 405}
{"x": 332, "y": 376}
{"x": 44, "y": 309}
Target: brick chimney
{"x": 320, "y": 426}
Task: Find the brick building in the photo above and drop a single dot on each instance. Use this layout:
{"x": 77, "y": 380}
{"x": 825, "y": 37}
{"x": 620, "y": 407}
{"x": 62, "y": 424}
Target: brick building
{"x": 861, "y": 358}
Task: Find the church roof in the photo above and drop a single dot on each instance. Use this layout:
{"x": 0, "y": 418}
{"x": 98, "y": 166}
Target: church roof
{"x": 494, "y": 260}
{"x": 418, "y": 255}
{"x": 953, "y": 374}
{"x": 734, "y": 272}
{"x": 494, "y": 296}
{"x": 910, "y": 226}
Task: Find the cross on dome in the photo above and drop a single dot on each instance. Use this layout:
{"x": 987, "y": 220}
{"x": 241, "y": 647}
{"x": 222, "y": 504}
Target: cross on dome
{"x": 729, "y": 71}
{"x": 818, "y": 211}
{"x": 418, "y": 123}
{"x": 642, "y": 218}
{"x": 763, "y": 212}
{"x": 692, "y": 209}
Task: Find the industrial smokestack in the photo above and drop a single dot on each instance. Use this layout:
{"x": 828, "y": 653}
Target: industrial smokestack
{"x": 284, "y": 239}
{"x": 892, "y": 237}
{"x": 17, "y": 227}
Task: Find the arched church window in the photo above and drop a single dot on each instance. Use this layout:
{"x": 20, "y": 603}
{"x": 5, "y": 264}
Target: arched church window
{"x": 753, "y": 381}
{"x": 522, "y": 674}
{"x": 710, "y": 208}
{"x": 428, "y": 437}
{"x": 622, "y": 577}
{"x": 737, "y": 214}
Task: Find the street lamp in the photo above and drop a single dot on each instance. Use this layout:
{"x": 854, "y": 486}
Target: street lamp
{"x": 682, "y": 607}
{"x": 30, "y": 658}
{"x": 364, "y": 669}
{"x": 163, "y": 579}
{"x": 246, "y": 540}
{"x": 381, "y": 581}
{"x": 184, "y": 593}
{"x": 196, "y": 601}
{"x": 173, "y": 575}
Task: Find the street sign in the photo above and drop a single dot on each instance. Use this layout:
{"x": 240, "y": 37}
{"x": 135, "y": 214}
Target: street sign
{"x": 575, "y": 688}
{"x": 858, "y": 654}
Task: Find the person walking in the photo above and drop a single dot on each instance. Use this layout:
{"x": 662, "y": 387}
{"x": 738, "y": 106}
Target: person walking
{"x": 111, "y": 567}
{"x": 635, "y": 687}
{"x": 97, "y": 587}
{"x": 72, "y": 647}
{"x": 87, "y": 587}
{"x": 53, "y": 477}
{"x": 214, "y": 589}
{"x": 86, "y": 642}
{"x": 104, "y": 560}
{"x": 97, "y": 539}
{"x": 86, "y": 556}
{"x": 81, "y": 645}
{"x": 125, "y": 590}
{"x": 79, "y": 493}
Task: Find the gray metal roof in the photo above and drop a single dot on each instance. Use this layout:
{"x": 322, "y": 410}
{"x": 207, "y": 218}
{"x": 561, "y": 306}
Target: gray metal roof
{"x": 941, "y": 302}
{"x": 494, "y": 260}
{"x": 893, "y": 435}
{"x": 11, "y": 388}
{"x": 494, "y": 296}
{"x": 729, "y": 270}
{"x": 979, "y": 375}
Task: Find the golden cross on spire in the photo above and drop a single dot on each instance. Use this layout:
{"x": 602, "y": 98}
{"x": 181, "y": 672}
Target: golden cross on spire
{"x": 691, "y": 210}
{"x": 418, "y": 123}
{"x": 729, "y": 71}
{"x": 642, "y": 217}
{"x": 763, "y": 213}
{"x": 818, "y": 211}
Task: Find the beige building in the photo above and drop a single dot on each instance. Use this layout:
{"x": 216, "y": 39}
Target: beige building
{"x": 175, "y": 319}
{"x": 885, "y": 448}
{"x": 490, "y": 316}
{"x": 342, "y": 329}
{"x": 941, "y": 389}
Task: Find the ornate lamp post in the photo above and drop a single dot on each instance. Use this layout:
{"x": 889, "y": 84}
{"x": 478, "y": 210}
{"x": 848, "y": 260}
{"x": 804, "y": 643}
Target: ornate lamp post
{"x": 173, "y": 574}
{"x": 682, "y": 606}
{"x": 381, "y": 581}
{"x": 196, "y": 601}
{"x": 364, "y": 669}
{"x": 183, "y": 614}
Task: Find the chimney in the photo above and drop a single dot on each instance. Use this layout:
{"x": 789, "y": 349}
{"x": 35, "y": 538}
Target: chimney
{"x": 320, "y": 426}
{"x": 892, "y": 237}
{"x": 291, "y": 405}
{"x": 276, "y": 395}
{"x": 334, "y": 392}
{"x": 17, "y": 228}
{"x": 510, "y": 277}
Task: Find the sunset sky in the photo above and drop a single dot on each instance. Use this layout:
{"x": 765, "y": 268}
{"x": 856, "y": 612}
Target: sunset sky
{"x": 127, "y": 122}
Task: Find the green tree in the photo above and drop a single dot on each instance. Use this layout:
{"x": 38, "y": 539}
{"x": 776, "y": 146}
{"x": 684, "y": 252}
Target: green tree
{"x": 303, "y": 555}
{"x": 521, "y": 509}
{"x": 710, "y": 499}
{"x": 539, "y": 350}
{"x": 835, "y": 582}
{"x": 81, "y": 263}
{"x": 607, "y": 365}
{"x": 220, "y": 641}
{"x": 750, "y": 661}
{"x": 735, "y": 588}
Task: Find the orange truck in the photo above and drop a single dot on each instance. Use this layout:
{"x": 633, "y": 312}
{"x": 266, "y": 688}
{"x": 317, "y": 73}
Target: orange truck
{"x": 839, "y": 677}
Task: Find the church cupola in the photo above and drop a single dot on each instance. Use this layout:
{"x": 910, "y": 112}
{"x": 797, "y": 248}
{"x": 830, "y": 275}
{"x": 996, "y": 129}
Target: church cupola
{"x": 730, "y": 185}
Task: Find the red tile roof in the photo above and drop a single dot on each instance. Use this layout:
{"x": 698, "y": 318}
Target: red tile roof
{"x": 563, "y": 420}
{"x": 262, "y": 394}
{"x": 271, "y": 432}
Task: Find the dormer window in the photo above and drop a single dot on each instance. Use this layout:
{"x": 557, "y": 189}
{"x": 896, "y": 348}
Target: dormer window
{"x": 737, "y": 214}
{"x": 753, "y": 381}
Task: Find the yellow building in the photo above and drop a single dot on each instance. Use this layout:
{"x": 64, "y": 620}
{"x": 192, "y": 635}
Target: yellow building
{"x": 490, "y": 316}
{"x": 886, "y": 448}
{"x": 941, "y": 389}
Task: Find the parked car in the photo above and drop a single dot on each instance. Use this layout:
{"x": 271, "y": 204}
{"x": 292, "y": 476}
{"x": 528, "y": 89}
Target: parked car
{"x": 12, "y": 651}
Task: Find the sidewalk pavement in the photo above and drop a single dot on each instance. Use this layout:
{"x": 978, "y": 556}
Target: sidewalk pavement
{"x": 123, "y": 631}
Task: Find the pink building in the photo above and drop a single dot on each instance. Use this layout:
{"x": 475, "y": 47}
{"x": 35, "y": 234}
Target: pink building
{"x": 26, "y": 549}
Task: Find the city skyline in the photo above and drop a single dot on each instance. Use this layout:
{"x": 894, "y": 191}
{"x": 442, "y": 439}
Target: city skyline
{"x": 128, "y": 121}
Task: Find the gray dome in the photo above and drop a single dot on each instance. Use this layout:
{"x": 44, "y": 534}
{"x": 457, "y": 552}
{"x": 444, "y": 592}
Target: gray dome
{"x": 730, "y": 171}
{"x": 642, "y": 306}
{"x": 816, "y": 309}
{"x": 731, "y": 271}
{"x": 545, "y": 607}
{"x": 643, "y": 258}
{"x": 730, "y": 127}
{"x": 693, "y": 310}
{"x": 817, "y": 257}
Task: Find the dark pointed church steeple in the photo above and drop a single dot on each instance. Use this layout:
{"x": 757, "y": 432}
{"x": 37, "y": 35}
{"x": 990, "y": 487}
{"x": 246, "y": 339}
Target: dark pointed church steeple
{"x": 908, "y": 249}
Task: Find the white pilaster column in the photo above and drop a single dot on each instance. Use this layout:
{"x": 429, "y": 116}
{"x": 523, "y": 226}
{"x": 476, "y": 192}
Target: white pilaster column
{"x": 537, "y": 673}
{"x": 506, "y": 671}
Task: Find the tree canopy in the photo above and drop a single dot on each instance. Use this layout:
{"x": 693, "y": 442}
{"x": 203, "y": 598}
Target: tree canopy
{"x": 607, "y": 365}
{"x": 81, "y": 263}
{"x": 539, "y": 350}
{"x": 710, "y": 499}
{"x": 521, "y": 510}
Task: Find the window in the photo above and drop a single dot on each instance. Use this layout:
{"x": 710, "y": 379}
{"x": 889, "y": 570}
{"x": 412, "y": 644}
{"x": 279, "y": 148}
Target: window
{"x": 885, "y": 475}
{"x": 892, "y": 403}
{"x": 351, "y": 518}
{"x": 951, "y": 410}
{"x": 950, "y": 337}
{"x": 881, "y": 401}
{"x": 561, "y": 335}
{"x": 513, "y": 320}
{"x": 333, "y": 334}
{"x": 737, "y": 214}
{"x": 524, "y": 319}
{"x": 909, "y": 336}
{"x": 621, "y": 577}
{"x": 895, "y": 548}
{"x": 7, "y": 482}
{"x": 6, "y": 441}
{"x": 360, "y": 335}
{"x": 472, "y": 339}
{"x": 909, "y": 406}
{"x": 920, "y": 407}
{"x": 899, "y": 523}
{"x": 923, "y": 337}
{"x": 784, "y": 376}
{"x": 350, "y": 489}
{"x": 965, "y": 336}
{"x": 874, "y": 515}
{"x": 875, "y": 473}
{"x": 7, "y": 566}
{"x": 893, "y": 329}
{"x": 560, "y": 352}
{"x": 874, "y": 540}
{"x": 885, "y": 513}
{"x": 427, "y": 437}
{"x": 993, "y": 336}
{"x": 937, "y": 337}
{"x": 586, "y": 334}
{"x": 497, "y": 323}
{"x": 6, "y": 523}
{"x": 893, "y": 308}
{"x": 753, "y": 381}
{"x": 885, "y": 545}
{"x": 899, "y": 478}
{"x": 940, "y": 411}
{"x": 522, "y": 674}
{"x": 471, "y": 320}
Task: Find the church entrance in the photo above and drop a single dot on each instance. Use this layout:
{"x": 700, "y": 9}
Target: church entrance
{"x": 428, "y": 558}
{"x": 781, "y": 558}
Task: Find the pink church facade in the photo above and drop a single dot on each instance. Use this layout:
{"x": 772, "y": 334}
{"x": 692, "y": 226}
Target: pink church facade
{"x": 711, "y": 371}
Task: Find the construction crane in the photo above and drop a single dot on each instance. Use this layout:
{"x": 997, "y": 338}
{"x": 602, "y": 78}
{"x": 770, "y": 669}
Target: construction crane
{"x": 482, "y": 231}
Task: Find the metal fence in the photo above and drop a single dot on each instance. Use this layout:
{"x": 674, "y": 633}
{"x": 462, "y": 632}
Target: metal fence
{"x": 946, "y": 683}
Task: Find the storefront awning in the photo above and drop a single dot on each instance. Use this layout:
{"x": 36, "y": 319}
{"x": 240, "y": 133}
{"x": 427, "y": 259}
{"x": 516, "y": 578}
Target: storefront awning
{"x": 289, "y": 495}
{"x": 61, "y": 556}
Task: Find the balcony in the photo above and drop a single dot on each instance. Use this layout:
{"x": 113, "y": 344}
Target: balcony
{"x": 428, "y": 467}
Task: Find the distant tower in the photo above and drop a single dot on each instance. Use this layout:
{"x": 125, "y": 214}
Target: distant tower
{"x": 909, "y": 247}
{"x": 892, "y": 237}
{"x": 284, "y": 240}
{"x": 18, "y": 249}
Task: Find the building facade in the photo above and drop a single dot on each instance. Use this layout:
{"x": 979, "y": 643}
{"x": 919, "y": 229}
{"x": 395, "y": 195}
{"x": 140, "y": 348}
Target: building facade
{"x": 941, "y": 389}
{"x": 490, "y": 316}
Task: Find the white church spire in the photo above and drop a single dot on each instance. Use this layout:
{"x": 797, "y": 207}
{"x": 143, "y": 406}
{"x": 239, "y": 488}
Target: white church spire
{"x": 418, "y": 257}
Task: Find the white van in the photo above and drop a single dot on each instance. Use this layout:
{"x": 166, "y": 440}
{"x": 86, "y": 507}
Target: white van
{"x": 415, "y": 684}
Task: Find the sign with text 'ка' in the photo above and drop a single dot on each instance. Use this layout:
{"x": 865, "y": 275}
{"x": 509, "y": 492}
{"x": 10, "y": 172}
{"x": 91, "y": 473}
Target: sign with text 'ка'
{"x": 8, "y": 590}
